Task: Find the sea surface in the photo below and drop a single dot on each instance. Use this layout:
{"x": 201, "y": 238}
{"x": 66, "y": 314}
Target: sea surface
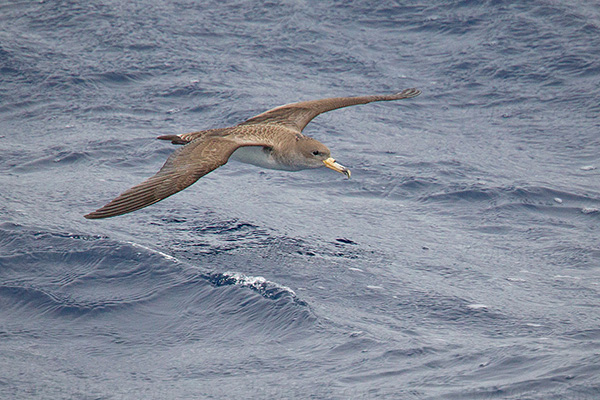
{"x": 461, "y": 261}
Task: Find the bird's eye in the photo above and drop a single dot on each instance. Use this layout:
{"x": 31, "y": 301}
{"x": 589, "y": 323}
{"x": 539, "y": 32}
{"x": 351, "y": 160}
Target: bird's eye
{"x": 316, "y": 153}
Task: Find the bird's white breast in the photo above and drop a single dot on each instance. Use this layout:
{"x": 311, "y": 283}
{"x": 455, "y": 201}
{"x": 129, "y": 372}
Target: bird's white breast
{"x": 257, "y": 155}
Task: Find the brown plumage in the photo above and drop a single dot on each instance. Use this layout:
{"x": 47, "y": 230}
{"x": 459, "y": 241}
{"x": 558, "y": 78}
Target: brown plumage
{"x": 272, "y": 139}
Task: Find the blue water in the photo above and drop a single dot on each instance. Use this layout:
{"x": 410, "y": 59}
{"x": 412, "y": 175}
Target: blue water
{"x": 461, "y": 261}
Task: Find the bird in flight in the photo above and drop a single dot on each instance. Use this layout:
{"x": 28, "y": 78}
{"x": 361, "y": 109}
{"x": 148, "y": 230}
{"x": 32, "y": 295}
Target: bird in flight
{"x": 271, "y": 140}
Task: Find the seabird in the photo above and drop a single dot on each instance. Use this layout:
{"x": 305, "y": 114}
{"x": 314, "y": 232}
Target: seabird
{"x": 271, "y": 140}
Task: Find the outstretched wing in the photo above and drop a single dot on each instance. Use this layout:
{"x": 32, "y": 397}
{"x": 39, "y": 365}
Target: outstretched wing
{"x": 184, "y": 167}
{"x": 297, "y": 115}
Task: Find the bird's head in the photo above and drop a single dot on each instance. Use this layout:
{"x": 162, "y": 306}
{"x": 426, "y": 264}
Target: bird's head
{"x": 316, "y": 154}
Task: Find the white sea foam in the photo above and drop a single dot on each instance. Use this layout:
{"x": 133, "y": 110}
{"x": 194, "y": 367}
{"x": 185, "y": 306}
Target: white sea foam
{"x": 477, "y": 306}
{"x": 165, "y": 255}
{"x": 589, "y": 210}
{"x": 255, "y": 282}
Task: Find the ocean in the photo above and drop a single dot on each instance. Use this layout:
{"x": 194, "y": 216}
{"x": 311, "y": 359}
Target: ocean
{"x": 460, "y": 261}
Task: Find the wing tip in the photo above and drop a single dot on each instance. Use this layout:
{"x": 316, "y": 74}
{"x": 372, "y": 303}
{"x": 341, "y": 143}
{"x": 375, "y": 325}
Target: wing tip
{"x": 101, "y": 213}
{"x": 96, "y": 215}
{"x": 408, "y": 93}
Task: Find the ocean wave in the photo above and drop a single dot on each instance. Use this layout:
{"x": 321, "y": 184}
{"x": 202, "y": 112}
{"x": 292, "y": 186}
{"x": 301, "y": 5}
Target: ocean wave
{"x": 65, "y": 274}
{"x": 265, "y": 288}
{"x": 531, "y": 197}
